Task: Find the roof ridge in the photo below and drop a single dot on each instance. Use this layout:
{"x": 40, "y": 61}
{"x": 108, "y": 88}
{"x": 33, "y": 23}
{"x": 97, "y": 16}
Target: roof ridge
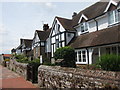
{"x": 63, "y": 18}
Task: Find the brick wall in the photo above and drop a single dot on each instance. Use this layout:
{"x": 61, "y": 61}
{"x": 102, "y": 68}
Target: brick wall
{"x": 61, "y": 77}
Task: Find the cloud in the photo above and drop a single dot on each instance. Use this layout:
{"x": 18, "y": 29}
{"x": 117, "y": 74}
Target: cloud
{"x": 50, "y": 5}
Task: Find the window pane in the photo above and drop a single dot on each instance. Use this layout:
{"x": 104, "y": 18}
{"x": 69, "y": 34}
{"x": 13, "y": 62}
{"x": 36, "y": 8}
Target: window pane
{"x": 110, "y": 17}
{"x": 42, "y": 43}
{"x": 57, "y": 43}
{"x": 75, "y": 56}
{"x": 119, "y": 50}
{"x": 119, "y": 16}
{"x": 86, "y": 27}
{"x": 116, "y": 16}
{"x": 79, "y": 54}
{"x": 107, "y": 50}
{"x": 82, "y": 27}
{"x": 114, "y": 50}
{"x": 84, "y": 56}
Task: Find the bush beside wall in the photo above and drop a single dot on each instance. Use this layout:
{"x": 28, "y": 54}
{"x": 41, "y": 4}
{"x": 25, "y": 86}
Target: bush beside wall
{"x": 68, "y": 56}
{"x": 109, "y": 62}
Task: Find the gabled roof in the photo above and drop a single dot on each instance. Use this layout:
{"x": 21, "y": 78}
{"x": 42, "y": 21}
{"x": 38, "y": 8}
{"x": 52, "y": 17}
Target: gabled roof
{"x": 91, "y": 12}
{"x": 43, "y": 35}
{"x": 110, "y": 2}
{"x": 28, "y": 43}
{"x": 103, "y": 37}
{"x": 66, "y": 23}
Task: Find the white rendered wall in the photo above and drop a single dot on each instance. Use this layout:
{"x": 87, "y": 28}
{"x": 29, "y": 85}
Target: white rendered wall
{"x": 69, "y": 37}
{"x": 37, "y": 38}
{"x": 102, "y": 22}
{"x": 48, "y": 46}
{"x": 90, "y": 55}
{"x": 92, "y": 26}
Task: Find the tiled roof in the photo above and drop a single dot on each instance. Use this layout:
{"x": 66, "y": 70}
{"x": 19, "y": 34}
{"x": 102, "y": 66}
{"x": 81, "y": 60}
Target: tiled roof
{"x": 28, "y": 42}
{"x": 66, "y": 23}
{"x": 90, "y": 12}
{"x": 43, "y": 35}
{"x": 103, "y": 37}
{"x": 93, "y": 11}
{"x": 7, "y": 55}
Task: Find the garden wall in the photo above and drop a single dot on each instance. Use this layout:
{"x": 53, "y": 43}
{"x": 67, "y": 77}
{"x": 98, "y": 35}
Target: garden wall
{"x": 20, "y": 68}
{"x": 61, "y": 77}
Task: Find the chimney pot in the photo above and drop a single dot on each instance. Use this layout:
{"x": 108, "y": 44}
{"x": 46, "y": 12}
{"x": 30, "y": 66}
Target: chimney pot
{"x": 74, "y": 14}
{"x": 45, "y": 27}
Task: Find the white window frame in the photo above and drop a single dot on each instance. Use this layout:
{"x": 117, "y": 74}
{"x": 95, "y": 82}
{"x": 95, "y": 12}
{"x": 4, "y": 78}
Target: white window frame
{"x": 114, "y": 17}
{"x": 78, "y": 62}
{"x": 84, "y": 24}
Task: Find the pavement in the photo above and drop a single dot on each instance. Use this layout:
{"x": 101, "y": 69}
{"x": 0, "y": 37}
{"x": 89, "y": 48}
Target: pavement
{"x": 10, "y": 79}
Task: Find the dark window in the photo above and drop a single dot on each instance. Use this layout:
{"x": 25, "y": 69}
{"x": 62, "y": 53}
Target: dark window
{"x": 119, "y": 49}
{"x": 84, "y": 56}
{"x": 107, "y": 50}
{"x": 114, "y": 50}
{"x": 57, "y": 43}
{"x": 76, "y": 56}
{"x": 79, "y": 54}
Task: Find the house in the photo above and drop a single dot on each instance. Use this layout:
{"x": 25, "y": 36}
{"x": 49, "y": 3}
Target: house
{"x": 61, "y": 33}
{"x": 25, "y": 47}
{"x": 39, "y": 41}
{"x": 92, "y": 32}
{"x": 98, "y": 32}
{"x": 13, "y": 51}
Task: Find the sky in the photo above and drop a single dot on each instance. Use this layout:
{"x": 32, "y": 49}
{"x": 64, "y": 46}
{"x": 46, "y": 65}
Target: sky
{"x": 21, "y": 19}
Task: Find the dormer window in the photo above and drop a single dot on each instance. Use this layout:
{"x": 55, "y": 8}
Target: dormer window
{"x": 113, "y": 17}
{"x": 84, "y": 27}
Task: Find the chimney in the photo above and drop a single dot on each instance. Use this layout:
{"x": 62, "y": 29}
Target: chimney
{"x": 45, "y": 27}
{"x": 74, "y": 14}
{"x": 21, "y": 41}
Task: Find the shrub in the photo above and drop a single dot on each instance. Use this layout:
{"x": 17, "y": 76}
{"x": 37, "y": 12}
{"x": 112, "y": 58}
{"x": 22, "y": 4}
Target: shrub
{"x": 21, "y": 58}
{"x": 68, "y": 56}
{"x": 109, "y": 62}
{"x": 47, "y": 62}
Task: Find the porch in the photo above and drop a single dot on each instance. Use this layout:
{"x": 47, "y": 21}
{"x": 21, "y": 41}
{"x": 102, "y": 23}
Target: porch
{"x": 91, "y": 55}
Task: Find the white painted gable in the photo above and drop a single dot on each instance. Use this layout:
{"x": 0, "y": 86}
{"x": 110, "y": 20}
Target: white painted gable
{"x": 83, "y": 16}
{"x": 36, "y": 38}
{"x": 108, "y": 6}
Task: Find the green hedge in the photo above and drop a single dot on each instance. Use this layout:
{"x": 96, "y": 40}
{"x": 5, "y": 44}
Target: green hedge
{"x": 21, "y": 58}
{"x": 109, "y": 62}
{"x": 68, "y": 56}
